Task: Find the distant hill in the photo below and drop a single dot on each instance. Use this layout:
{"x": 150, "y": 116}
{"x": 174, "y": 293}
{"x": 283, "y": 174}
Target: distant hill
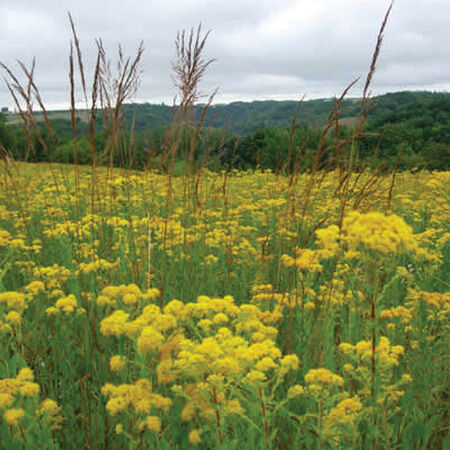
{"x": 243, "y": 118}
{"x": 406, "y": 130}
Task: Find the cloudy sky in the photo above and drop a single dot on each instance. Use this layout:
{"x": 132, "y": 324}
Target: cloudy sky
{"x": 264, "y": 49}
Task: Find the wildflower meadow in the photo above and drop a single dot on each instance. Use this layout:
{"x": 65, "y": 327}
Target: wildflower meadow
{"x": 184, "y": 306}
{"x": 222, "y": 310}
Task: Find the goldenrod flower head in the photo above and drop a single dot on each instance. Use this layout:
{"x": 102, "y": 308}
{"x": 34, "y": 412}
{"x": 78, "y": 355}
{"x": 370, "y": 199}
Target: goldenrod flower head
{"x": 52, "y": 411}
{"x": 406, "y": 378}
{"x": 348, "y": 368}
{"x": 290, "y": 362}
{"x": 152, "y": 293}
{"x": 323, "y": 376}
{"x": 67, "y": 304}
{"x": 14, "y": 300}
{"x": 51, "y": 311}
{"x": 295, "y": 391}
{"x": 13, "y": 317}
{"x": 149, "y": 340}
{"x": 143, "y": 405}
{"x": 265, "y": 364}
{"x": 256, "y": 377}
{"x": 328, "y": 239}
{"x": 25, "y": 374}
{"x": 363, "y": 348}
{"x": 153, "y": 423}
{"x": 306, "y": 260}
{"x": 205, "y": 324}
{"x": 346, "y": 348}
{"x": 29, "y": 389}
{"x": 34, "y": 287}
{"x": 12, "y": 416}
{"x": 398, "y": 350}
{"x": 233, "y": 407}
{"x": 5, "y": 327}
{"x": 220, "y": 318}
{"x": 49, "y": 406}
{"x": 114, "y": 325}
{"x": 103, "y": 300}
{"x": 115, "y": 405}
{"x": 56, "y": 293}
{"x": 376, "y": 231}
{"x": 195, "y": 437}
{"x": 188, "y": 412}
{"x": 5, "y": 400}
{"x": 116, "y": 363}
{"x": 344, "y": 413}
{"x": 10, "y": 385}
{"x": 174, "y": 307}
{"x": 250, "y": 310}
{"x": 130, "y": 299}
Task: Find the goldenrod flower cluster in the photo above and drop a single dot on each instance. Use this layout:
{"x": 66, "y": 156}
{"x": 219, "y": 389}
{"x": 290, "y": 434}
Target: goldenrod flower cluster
{"x": 51, "y": 276}
{"x": 399, "y": 312}
{"x": 22, "y": 385}
{"x": 386, "y": 354}
{"x": 319, "y": 379}
{"x": 50, "y": 410}
{"x": 14, "y": 393}
{"x": 242, "y": 352}
{"x": 344, "y": 413}
{"x": 374, "y": 231}
{"x": 305, "y": 259}
{"x": 126, "y": 295}
{"x": 138, "y": 396}
{"x": 13, "y": 300}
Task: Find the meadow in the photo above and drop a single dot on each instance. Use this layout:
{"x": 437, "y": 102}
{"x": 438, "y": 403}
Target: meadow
{"x": 223, "y": 309}
{"x": 180, "y": 307}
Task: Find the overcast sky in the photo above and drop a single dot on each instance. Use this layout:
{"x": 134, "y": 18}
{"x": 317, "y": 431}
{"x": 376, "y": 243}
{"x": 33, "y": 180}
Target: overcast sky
{"x": 264, "y": 49}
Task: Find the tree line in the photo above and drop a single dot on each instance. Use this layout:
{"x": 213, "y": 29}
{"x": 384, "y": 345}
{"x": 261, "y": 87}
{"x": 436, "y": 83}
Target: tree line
{"x": 405, "y": 130}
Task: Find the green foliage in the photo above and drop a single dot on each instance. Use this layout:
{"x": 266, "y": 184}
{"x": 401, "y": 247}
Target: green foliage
{"x": 7, "y": 138}
{"x": 406, "y": 130}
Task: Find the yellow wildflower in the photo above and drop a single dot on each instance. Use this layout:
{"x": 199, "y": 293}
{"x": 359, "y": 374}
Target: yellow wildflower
{"x": 5, "y": 400}
{"x": 153, "y": 423}
{"x": 150, "y": 339}
{"x": 25, "y": 374}
{"x": 29, "y": 389}
{"x": 195, "y": 437}
{"x": 13, "y": 317}
{"x": 116, "y": 363}
{"x": 12, "y": 416}
{"x": 295, "y": 391}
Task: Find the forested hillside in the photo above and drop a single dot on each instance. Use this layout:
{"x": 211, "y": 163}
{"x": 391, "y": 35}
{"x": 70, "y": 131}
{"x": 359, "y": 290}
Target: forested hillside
{"x": 407, "y": 130}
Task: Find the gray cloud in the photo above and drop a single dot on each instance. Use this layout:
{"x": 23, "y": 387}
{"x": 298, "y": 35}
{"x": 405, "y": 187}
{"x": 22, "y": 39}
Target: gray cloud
{"x": 277, "y": 49}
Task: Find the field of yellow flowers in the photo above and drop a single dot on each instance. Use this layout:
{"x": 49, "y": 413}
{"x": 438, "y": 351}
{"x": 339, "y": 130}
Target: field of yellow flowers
{"x": 223, "y": 310}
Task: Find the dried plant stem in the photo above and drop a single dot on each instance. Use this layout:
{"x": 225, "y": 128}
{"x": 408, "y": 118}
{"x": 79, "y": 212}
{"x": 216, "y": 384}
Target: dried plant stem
{"x": 217, "y": 415}
{"x": 264, "y": 415}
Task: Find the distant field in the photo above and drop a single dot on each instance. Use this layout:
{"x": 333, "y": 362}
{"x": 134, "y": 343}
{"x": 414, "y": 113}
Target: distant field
{"x": 16, "y": 119}
{"x": 349, "y": 122}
